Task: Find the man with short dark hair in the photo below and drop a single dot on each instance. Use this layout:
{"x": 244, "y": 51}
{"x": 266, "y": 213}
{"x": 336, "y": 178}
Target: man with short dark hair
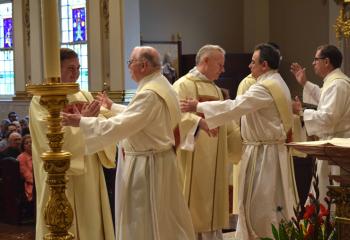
{"x": 12, "y": 116}
{"x": 332, "y": 117}
{"x": 266, "y": 118}
{"x": 86, "y": 188}
{"x": 149, "y": 202}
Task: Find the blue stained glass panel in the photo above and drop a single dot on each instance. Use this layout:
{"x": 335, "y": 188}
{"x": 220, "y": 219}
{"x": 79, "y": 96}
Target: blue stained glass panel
{"x": 79, "y": 24}
{"x": 8, "y": 33}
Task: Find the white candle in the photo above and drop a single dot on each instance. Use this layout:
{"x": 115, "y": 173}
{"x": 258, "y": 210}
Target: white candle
{"x": 51, "y": 45}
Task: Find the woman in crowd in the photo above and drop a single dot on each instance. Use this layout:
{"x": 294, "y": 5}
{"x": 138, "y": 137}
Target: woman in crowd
{"x": 26, "y": 166}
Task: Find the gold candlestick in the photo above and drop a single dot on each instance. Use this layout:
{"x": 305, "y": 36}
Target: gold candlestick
{"x": 58, "y": 213}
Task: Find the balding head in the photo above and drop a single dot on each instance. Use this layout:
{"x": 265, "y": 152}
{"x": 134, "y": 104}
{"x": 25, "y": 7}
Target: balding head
{"x": 14, "y": 140}
{"x": 143, "y": 61}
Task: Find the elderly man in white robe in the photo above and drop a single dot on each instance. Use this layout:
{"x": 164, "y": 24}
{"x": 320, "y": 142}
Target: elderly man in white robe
{"x": 266, "y": 193}
{"x": 332, "y": 117}
{"x": 204, "y": 155}
{"x": 149, "y": 202}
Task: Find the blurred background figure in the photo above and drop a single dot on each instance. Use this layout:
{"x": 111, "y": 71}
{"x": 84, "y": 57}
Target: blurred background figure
{"x": 12, "y": 116}
{"x": 167, "y": 69}
{"x": 13, "y": 148}
{"x": 26, "y": 166}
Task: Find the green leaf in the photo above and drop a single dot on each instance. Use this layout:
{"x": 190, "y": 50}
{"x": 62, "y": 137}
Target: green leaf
{"x": 275, "y": 232}
{"x": 282, "y": 232}
{"x": 266, "y": 238}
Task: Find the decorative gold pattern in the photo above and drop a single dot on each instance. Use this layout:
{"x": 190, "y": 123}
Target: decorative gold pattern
{"x": 58, "y": 212}
{"x": 341, "y": 197}
{"x": 342, "y": 24}
{"x": 21, "y": 95}
{"x": 105, "y": 14}
{"x": 27, "y": 20}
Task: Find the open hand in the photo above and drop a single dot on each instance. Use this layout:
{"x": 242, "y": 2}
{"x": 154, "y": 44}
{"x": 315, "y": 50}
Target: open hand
{"x": 188, "y": 105}
{"x": 297, "y": 105}
{"x": 204, "y": 126}
{"x": 71, "y": 119}
{"x": 105, "y": 100}
{"x": 92, "y": 109}
{"x": 299, "y": 73}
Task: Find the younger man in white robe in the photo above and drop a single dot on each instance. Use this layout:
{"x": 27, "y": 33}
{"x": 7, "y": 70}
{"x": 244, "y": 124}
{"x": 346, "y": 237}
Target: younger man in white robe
{"x": 266, "y": 118}
{"x": 149, "y": 202}
{"x": 332, "y": 117}
{"x": 86, "y": 187}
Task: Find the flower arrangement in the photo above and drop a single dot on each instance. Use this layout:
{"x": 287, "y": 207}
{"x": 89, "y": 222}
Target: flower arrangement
{"x": 311, "y": 222}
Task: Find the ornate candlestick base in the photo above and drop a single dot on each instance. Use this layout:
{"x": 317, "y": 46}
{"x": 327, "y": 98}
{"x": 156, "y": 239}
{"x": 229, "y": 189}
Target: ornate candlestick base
{"x": 341, "y": 196}
{"x": 58, "y": 212}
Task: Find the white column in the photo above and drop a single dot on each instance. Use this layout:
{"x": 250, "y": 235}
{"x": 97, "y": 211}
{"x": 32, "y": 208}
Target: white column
{"x": 19, "y": 49}
{"x": 95, "y": 46}
{"x": 36, "y": 59}
{"x": 116, "y": 45}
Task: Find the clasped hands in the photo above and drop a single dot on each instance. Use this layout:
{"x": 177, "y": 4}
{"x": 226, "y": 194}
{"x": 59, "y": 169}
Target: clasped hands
{"x": 72, "y": 117}
{"x": 190, "y": 105}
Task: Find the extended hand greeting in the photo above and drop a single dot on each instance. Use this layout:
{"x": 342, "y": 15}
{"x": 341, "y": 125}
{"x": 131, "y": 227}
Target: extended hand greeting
{"x": 88, "y": 110}
{"x": 188, "y": 105}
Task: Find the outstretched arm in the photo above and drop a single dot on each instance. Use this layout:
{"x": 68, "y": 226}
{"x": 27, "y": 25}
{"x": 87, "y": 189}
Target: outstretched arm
{"x": 299, "y": 73}
{"x": 88, "y": 110}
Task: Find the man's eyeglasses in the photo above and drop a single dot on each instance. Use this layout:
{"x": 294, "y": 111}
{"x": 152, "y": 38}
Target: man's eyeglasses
{"x": 318, "y": 58}
{"x": 130, "y": 61}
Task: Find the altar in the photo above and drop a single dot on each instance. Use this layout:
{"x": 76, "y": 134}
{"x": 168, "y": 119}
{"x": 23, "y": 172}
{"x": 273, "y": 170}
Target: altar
{"x": 336, "y": 152}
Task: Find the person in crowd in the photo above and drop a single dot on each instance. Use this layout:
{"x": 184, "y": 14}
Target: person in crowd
{"x": 26, "y": 166}
{"x": 13, "y": 148}
{"x": 18, "y": 126}
{"x": 3, "y": 128}
{"x": 265, "y": 112}
{"x": 204, "y": 154}
{"x": 4, "y": 142}
{"x": 149, "y": 202}
{"x": 86, "y": 188}
{"x": 332, "y": 116}
{"x": 12, "y": 116}
{"x": 24, "y": 126}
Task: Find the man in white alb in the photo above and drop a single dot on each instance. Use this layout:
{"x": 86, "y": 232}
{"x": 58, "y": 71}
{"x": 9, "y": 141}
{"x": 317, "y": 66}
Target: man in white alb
{"x": 266, "y": 118}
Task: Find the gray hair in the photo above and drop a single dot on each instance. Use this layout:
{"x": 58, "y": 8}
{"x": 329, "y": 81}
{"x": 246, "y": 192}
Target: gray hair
{"x": 207, "y": 50}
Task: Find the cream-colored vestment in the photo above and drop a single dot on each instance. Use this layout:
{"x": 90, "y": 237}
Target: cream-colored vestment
{"x": 265, "y": 180}
{"x": 149, "y": 203}
{"x": 86, "y": 188}
{"x": 204, "y": 165}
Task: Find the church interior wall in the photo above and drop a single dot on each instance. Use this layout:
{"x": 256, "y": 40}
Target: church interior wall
{"x": 197, "y": 21}
{"x": 298, "y": 26}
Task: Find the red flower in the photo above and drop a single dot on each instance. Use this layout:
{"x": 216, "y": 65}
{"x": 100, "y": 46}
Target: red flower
{"x": 310, "y": 231}
{"x": 323, "y": 211}
{"x": 309, "y": 210}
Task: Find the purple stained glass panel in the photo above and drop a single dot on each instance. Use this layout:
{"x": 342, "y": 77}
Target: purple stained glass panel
{"x": 79, "y": 24}
{"x": 8, "y": 33}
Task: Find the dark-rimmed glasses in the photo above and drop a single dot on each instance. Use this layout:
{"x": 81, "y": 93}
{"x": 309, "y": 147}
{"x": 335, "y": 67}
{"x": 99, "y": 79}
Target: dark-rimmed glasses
{"x": 318, "y": 58}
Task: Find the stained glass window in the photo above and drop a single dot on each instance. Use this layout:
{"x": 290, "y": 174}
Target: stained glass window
{"x": 74, "y": 36}
{"x": 7, "y": 74}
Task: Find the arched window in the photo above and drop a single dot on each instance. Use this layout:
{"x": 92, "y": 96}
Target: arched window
{"x": 74, "y": 34}
{"x": 7, "y": 74}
